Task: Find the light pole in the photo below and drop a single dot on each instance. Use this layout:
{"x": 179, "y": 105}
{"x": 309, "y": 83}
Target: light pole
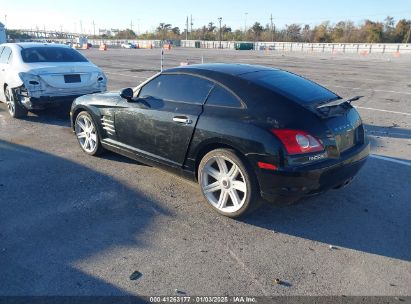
{"x": 219, "y": 20}
{"x": 245, "y": 22}
{"x": 5, "y": 20}
{"x": 187, "y": 29}
{"x": 272, "y": 28}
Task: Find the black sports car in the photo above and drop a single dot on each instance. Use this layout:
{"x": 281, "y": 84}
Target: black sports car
{"x": 242, "y": 131}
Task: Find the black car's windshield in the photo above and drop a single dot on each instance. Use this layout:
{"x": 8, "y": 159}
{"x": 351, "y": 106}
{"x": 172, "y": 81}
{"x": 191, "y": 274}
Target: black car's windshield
{"x": 290, "y": 85}
{"x": 51, "y": 54}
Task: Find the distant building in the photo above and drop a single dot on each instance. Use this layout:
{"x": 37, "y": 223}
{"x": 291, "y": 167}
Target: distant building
{"x": 3, "y": 36}
{"x": 111, "y": 32}
{"x": 114, "y": 32}
{"x": 102, "y": 32}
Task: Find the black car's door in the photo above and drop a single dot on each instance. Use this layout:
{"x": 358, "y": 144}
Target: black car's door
{"x": 159, "y": 124}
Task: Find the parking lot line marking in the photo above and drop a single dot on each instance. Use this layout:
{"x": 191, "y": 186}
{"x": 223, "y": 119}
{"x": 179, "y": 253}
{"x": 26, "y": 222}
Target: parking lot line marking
{"x": 126, "y": 75}
{"x": 372, "y": 90}
{"x": 381, "y": 110}
{"x": 252, "y": 275}
{"x": 319, "y": 79}
{"x": 393, "y": 160}
{"x": 388, "y": 133}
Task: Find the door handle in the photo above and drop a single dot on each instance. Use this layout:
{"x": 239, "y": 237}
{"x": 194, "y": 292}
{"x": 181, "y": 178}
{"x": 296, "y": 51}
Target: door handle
{"x": 182, "y": 120}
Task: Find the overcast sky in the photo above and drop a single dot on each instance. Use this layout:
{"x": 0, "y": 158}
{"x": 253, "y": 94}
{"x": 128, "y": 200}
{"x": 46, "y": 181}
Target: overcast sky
{"x": 146, "y": 15}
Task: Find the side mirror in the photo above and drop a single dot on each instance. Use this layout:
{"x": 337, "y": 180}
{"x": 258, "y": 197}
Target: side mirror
{"x": 127, "y": 94}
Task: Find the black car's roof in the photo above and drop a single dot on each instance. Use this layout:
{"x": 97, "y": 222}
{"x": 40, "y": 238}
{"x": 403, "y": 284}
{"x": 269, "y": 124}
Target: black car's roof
{"x": 248, "y": 80}
{"x": 220, "y": 68}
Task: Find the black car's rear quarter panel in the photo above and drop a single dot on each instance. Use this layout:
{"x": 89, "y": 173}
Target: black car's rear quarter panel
{"x": 233, "y": 128}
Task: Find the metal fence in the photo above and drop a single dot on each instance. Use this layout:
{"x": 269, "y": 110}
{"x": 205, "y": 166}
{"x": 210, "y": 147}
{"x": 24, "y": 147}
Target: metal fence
{"x": 335, "y": 48}
{"x": 360, "y": 48}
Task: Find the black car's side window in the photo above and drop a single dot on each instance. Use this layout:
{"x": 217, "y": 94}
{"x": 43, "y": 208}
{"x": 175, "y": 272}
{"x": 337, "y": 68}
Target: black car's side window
{"x": 223, "y": 98}
{"x": 178, "y": 87}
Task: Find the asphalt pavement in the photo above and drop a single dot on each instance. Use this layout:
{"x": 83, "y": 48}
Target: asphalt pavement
{"x": 71, "y": 224}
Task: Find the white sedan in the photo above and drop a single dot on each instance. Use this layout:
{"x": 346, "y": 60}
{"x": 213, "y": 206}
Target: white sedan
{"x": 128, "y": 46}
{"x": 37, "y": 75}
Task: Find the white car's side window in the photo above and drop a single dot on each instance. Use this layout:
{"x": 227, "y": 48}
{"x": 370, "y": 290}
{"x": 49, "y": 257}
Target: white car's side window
{"x": 10, "y": 57}
{"x": 5, "y": 55}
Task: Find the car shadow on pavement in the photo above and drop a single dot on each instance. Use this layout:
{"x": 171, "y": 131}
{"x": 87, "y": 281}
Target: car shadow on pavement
{"x": 53, "y": 116}
{"x": 57, "y": 217}
{"x": 120, "y": 158}
{"x": 372, "y": 214}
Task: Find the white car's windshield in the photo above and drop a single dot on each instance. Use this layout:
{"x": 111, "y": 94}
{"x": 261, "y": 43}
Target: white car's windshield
{"x": 51, "y": 54}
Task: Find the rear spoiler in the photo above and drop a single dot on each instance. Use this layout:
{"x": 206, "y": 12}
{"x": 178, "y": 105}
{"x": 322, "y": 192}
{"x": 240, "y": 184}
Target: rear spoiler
{"x": 338, "y": 102}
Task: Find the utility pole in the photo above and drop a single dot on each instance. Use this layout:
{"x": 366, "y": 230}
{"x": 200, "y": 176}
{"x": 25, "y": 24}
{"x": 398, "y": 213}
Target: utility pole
{"x": 94, "y": 29}
{"x": 409, "y": 34}
{"x": 187, "y": 29}
{"x": 131, "y": 28}
{"x": 272, "y": 28}
{"x": 5, "y": 19}
{"x": 220, "y": 19}
{"x": 245, "y": 22}
{"x": 81, "y": 27}
{"x": 191, "y": 24}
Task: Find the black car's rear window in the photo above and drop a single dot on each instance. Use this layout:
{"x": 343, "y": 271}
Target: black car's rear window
{"x": 290, "y": 85}
{"x": 51, "y": 54}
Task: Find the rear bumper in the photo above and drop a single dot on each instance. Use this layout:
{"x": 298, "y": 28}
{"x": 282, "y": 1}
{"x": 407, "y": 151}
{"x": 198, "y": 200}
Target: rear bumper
{"x": 293, "y": 184}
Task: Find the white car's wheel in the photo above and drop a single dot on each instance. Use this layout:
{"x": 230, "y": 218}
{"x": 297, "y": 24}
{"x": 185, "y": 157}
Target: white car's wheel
{"x": 87, "y": 134}
{"x": 16, "y": 110}
{"x": 226, "y": 183}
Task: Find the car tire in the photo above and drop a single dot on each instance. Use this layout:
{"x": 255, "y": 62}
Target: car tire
{"x": 228, "y": 184}
{"x": 87, "y": 134}
{"x": 15, "y": 108}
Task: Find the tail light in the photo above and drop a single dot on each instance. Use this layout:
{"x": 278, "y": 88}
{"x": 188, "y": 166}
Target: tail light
{"x": 298, "y": 142}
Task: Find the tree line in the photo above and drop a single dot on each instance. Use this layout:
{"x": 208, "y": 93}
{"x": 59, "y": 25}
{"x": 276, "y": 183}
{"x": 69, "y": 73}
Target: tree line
{"x": 368, "y": 31}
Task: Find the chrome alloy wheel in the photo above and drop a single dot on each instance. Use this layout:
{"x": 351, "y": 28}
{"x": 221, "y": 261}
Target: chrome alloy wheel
{"x": 223, "y": 184}
{"x": 10, "y": 101}
{"x": 86, "y": 133}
